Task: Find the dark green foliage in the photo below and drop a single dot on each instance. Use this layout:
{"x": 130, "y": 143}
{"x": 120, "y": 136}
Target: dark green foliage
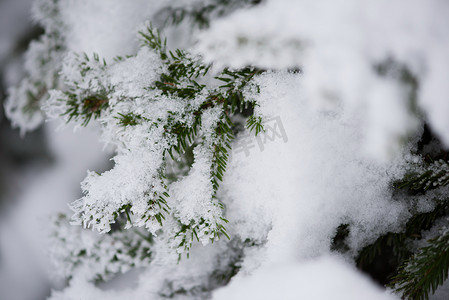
{"x": 431, "y": 175}
{"x": 130, "y": 119}
{"x": 180, "y": 81}
{"x": 89, "y": 107}
{"x": 158, "y": 203}
{"x": 382, "y": 258}
{"x": 391, "y": 260}
{"x": 83, "y": 104}
{"x": 255, "y": 124}
{"x": 189, "y": 233}
{"x": 425, "y": 271}
{"x": 86, "y": 67}
{"x": 338, "y": 241}
{"x": 152, "y": 38}
{"x": 234, "y": 85}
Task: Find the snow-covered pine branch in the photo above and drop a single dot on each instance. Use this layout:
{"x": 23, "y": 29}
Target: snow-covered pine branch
{"x": 291, "y": 128}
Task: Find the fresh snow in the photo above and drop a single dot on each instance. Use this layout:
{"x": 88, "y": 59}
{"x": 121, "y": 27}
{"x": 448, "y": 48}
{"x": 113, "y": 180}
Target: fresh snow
{"x": 336, "y": 139}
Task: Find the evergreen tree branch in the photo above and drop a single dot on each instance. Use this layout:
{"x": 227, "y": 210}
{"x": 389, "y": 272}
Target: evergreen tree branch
{"x": 429, "y": 176}
{"x": 424, "y": 271}
{"x": 179, "y": 130}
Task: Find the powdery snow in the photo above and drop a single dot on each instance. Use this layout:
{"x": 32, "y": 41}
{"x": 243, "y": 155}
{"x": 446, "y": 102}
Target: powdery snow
{"x": 287, "y": 190}
{"x": 321, "y": 279}
{"x": 338, "y": 45}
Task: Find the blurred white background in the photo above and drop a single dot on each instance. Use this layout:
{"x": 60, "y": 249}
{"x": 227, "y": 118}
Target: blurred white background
{"x": 39, "y": 173}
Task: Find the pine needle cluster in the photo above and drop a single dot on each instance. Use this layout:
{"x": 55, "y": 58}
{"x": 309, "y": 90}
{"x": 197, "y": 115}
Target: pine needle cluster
{"x": 181, "y": 132}
{"x": 414, "y": 274}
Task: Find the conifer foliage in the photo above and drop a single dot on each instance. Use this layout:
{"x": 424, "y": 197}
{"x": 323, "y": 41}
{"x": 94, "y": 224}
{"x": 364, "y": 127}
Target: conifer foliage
{"x": 360, "y": 168}
{"x": 196, "y": 117}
